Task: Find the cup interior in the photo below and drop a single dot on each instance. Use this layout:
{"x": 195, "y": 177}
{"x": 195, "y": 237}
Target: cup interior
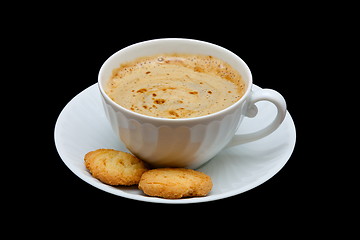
{"x": 172, "y": 45}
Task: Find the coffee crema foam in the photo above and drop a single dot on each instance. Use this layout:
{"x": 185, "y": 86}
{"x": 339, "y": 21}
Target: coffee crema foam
{"x": 175, "y": 85}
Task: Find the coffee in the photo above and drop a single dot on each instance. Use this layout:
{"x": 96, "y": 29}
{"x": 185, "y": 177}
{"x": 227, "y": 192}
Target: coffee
{"x": 175, "y": 85}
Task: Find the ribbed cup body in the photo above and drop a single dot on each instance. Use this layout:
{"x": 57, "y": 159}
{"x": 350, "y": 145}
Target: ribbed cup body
{"x": 174, "y": 143}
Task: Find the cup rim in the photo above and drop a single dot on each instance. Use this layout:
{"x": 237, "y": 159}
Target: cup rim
{"x": 169, "y": 120}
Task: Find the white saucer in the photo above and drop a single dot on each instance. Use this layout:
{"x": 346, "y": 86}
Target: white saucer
{"x": 82, "y": 127}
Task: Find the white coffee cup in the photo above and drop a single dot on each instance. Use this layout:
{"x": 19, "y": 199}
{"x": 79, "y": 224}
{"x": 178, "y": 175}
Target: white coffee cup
{"x": 188, "y": 142}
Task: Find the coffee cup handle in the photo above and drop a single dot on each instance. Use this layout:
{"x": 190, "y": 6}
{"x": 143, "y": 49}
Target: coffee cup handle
{"x": 262, "y": 95}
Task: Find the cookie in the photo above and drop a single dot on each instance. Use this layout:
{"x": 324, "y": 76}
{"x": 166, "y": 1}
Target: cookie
{"x": 175, "y": 183}
{"x": 115, "y": 167}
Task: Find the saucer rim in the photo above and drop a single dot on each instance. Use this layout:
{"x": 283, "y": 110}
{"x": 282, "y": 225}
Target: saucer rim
{"x": 115, "y": 190}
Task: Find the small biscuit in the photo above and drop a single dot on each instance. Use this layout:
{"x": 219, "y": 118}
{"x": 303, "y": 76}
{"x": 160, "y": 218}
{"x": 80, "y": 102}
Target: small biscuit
{"x": 175, "y": 183}
{"x": 115, "y": 167}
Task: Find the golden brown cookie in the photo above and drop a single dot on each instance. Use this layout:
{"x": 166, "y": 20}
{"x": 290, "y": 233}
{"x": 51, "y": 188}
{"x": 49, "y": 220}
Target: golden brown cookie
{"x": 115, "y": 167}
{"x": 175, "y": 183}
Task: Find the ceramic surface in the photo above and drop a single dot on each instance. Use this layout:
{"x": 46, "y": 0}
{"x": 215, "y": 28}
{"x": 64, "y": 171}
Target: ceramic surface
{"x": 187, "y": 142}
{"x": 82, "y": 127}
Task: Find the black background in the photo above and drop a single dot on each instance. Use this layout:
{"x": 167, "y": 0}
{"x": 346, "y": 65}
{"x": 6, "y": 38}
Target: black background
{"x": 68, "y": 49}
